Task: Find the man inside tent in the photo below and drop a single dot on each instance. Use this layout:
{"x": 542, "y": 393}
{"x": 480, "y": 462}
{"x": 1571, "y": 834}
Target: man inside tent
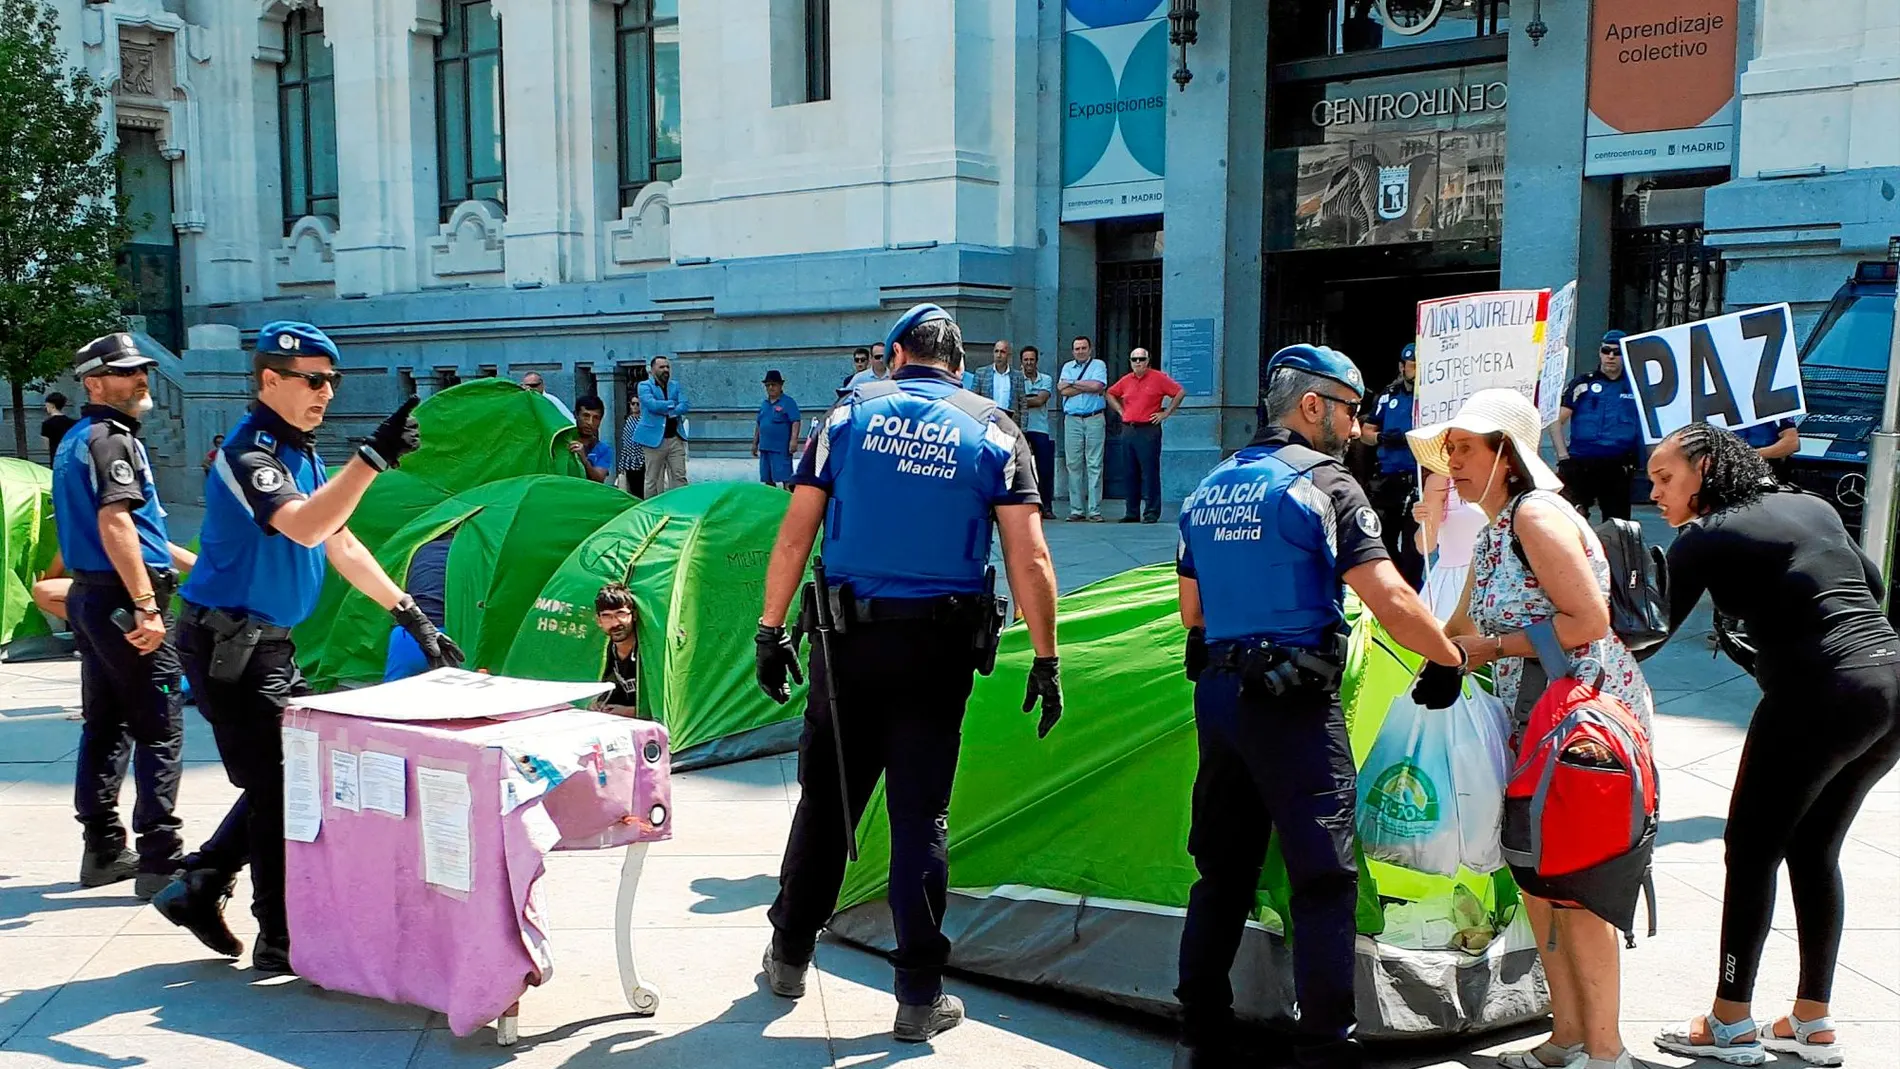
{"x": 428, "y": 583}
{"x": 614, "y": 611}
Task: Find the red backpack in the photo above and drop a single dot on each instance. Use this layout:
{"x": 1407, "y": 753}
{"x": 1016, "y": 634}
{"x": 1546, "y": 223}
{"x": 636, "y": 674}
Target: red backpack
{"x": 1580, "y": 820}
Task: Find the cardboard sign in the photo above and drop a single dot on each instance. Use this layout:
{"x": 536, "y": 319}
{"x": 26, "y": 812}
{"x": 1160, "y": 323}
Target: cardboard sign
{"x": 1479, "y": 341}
{"x": 1554, "y": 366}
{"x": 1734, "y": 371}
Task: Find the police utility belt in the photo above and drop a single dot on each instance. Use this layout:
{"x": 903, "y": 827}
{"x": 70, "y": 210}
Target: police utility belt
{"x": 983, "y": 613}
{"x": 1270, "y": 670}
{"x": 234, "y": 639}
{"x": 164, "y": 581}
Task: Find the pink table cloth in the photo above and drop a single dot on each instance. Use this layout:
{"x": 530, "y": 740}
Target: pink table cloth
{"x": 362, "y": 917}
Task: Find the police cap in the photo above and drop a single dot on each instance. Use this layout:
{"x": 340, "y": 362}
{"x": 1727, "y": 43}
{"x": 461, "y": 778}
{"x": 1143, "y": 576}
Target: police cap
{"x": 1612, "y": 337}
{"x": 289, "y": 337}
{"x": 120, "y": 350}
{"x": 1319, "y": 360}
{"x": 1409, "y": 353}
{"x": 921, "y": 313}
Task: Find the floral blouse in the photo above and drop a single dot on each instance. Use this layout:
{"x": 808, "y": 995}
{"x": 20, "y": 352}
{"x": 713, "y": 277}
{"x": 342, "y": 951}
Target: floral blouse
{"x": 1505, "y": 596}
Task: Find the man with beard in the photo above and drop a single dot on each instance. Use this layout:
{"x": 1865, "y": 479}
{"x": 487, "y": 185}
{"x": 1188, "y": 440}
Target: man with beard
{"x": 1269, "y": 541}
{"x": 661, "y": 430}
{"x": 112, "y": 538}
{"x": 614, "y": 612}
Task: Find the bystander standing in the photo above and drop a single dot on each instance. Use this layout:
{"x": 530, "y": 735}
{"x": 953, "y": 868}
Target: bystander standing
{"x": 1039, "y": 387}
{"x": 1144, "y": 399}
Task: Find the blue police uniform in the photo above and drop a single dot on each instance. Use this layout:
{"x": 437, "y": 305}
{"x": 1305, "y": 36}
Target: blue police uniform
{"x": 1268, "y": 537}
{"x": 777, "y": 421}
{"x": 130, "y": 703}
{"x": 914, "y": 466}
{"x": 1763, "y": 435}
{"x": 1606, "y": 440}
{"x": 1394, "y": 489}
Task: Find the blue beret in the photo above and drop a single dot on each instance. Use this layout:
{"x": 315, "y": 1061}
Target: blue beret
{"x": 1410, "y": 352}
{"x": 1322, "y": 361}
{"x": 1611, "y": 337}
{"x": 921, "y": 313}
{"x": 288, "y": 337}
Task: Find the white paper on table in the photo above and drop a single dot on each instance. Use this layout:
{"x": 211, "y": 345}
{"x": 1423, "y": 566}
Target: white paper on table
{"x": 345, "y": 791}
{"x": 447, "y": 857}
{"x": 452, "y": 694}
{"x": 303, "y": 793}
{"x": 384, "y": 783}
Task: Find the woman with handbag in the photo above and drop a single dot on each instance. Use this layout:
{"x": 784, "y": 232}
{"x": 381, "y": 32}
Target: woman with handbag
{"x": 1827, "y": 728}
{"x": 1489, "y": 452}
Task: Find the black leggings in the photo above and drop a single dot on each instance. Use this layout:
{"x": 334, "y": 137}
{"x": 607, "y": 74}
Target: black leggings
{"x": 1817, "y": 745}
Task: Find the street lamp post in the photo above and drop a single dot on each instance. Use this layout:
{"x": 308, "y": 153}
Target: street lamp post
{"x": 1883, "y": 466}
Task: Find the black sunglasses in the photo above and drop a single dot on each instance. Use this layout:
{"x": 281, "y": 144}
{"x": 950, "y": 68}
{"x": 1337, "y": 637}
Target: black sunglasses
{"x": 1137, "y": 359}
{"x": 121, "y": 372}
{"x": 316, "y": 380}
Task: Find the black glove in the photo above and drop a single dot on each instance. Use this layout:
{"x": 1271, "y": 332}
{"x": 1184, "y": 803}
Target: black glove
{"x": 397, "y": 436}
{"x": 439, "y": 648}
{"x": 1044, "y": 683}
{"x": 775, "y": 656}
{"x": 1196, "y": 660}
{"x": 1392, "y": 439}
{"x": 1439, "y": 685}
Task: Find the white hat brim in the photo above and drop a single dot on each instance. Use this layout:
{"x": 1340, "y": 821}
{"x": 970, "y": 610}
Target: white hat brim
{"x": 1428, "y": 446}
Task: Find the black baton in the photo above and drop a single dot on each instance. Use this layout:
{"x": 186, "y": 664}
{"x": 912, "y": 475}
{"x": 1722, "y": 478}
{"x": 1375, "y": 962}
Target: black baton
{"x": 821, "y": 612}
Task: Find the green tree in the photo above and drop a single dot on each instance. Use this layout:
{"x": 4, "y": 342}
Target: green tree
{"x": 61, "y": 220}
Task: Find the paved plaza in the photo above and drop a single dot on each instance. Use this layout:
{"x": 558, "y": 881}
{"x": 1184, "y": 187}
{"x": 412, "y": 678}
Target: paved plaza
{"x": 92, "y": 978}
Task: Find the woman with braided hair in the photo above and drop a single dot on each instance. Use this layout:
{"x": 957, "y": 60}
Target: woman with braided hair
{"x": 1827, "y": 728}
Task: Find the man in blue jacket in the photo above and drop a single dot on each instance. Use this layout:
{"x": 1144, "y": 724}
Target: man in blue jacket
{"x": 661, "y": 431}
{"x": 1606, "y": 439}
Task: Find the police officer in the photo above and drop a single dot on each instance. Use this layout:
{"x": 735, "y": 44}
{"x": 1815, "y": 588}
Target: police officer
{"x": 112, "y": 539}
{"x": 1606, "y": 439}
{"x": 1774, "y": 442}
{"x": 1395, "y": 487}
{"x": 1269, "y": 540}
{"x": 272, "y": 518}
{"x": 908, "y": 475}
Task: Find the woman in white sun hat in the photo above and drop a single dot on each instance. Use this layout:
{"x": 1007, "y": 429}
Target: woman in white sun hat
{"x": 1489, "y": 452}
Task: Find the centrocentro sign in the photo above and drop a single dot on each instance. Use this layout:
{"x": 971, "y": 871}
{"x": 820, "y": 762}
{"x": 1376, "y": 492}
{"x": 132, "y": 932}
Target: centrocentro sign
{"x": 1115, "y": 105}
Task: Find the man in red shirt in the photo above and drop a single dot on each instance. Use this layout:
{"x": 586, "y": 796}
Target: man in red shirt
{"x": 1144, "y": 399}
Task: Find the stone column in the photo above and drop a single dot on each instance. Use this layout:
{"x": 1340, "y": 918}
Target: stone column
{"x": 382, "y": 52}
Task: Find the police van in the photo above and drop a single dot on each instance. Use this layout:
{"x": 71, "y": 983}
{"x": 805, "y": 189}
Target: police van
{"x": 1844, "y": 375}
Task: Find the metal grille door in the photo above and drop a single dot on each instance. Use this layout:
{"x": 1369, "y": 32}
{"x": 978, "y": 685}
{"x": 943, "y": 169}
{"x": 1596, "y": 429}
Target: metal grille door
{"x": 1662, "y": 276}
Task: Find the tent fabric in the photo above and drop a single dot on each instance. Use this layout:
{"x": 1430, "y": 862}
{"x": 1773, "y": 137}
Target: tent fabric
{"x": 475, "y": 433}
{"x": 1068, "y": 855}
{"x": 695, "y": 559}
{"x": 28, "y": 541}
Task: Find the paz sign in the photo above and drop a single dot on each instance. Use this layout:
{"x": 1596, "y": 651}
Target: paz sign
{"x": 1735, "y": 371}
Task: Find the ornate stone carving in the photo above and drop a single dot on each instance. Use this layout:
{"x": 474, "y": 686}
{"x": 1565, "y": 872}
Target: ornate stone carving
{"x": 470, "y": 243}
{"x": 135, "y": 70}
{"x": 643, "y": 233}
{"x": 308, "y": 255}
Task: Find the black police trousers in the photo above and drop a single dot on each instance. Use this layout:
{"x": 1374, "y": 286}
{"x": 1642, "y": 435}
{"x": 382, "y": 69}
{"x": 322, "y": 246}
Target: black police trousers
{"x": 1601, "y": 481}
{"x": 1281, "y": 765}
{"x": 902, "y": 687}
{"x": 1392, "y": 497}
{"x": 131, "y": 705}
{"x": 245, "y": 718}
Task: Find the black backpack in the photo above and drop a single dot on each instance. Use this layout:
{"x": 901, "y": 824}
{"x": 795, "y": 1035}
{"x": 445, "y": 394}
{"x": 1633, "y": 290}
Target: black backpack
{"x": 1639, "y": 584}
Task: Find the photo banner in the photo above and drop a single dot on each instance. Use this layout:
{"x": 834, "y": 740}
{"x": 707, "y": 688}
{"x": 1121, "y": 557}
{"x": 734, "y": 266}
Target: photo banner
{"x": 1554, "y": 370}
{"x": 1479, "y": 341}
{"x": 1735, "y": 371}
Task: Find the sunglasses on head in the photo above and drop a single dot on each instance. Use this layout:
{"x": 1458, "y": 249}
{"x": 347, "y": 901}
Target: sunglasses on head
{"x": 316, "y": 380}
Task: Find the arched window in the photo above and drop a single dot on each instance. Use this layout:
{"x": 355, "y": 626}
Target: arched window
{"x": 306, "y": 119}
{"x": 647, "y": 36}
{"x": 470, "y": 154}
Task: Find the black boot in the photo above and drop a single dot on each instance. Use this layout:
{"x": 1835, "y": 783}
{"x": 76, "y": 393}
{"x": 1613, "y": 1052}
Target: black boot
{"x": 271, "y": 954}
{"x": 195, "y": 902}
{"x": 106, "y": 866}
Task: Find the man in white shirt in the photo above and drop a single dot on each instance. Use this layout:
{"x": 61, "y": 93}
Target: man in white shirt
{"x": 533, "y": 383}
{"x": 1081, "y": 385}
{"x": 1000, "y": 383}
{"x": 877, "y": 370}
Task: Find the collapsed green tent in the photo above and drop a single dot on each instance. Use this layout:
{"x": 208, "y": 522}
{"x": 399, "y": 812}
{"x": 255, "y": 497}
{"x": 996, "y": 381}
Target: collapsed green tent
{"x": 476, "y": 433}
{"x": 1068, "y": 857}
{"x": 27, "y": 543}
{"x": 695, "y": 559}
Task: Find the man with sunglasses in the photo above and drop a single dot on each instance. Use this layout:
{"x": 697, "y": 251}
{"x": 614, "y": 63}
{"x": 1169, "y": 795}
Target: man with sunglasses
{"x": 1269, "y": 542}
{"x": 112, "y": 539}
{"x": 1606, "y": 435}
{"x": 273, "y": 519}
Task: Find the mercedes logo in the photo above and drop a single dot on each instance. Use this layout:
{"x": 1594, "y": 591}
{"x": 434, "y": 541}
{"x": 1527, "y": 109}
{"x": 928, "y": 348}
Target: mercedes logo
{"x": 1851, "y": 490}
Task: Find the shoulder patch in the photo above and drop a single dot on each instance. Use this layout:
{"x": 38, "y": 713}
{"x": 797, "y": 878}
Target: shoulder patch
{"x": 121, "y": 472}
{"x": 1368, "y": 521}
{"x": 266, "y": 479}
{"x": 265, "y": 440}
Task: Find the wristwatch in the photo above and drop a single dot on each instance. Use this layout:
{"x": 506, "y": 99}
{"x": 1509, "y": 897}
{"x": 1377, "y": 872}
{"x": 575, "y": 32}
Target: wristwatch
{"x": 372, "y": 457}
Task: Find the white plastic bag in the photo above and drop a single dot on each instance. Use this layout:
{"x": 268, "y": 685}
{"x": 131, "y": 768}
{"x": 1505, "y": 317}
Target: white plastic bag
{"x": 1431, "y": 794}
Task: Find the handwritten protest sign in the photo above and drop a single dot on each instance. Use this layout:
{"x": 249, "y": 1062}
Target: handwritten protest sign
{"x": 1479, "y": 341}
{"x": 1554, "y": 370}
{"x": 1735, "y": 371}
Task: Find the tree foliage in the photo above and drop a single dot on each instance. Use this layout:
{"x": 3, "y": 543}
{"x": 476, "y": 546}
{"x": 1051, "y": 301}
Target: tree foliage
{"x": 61, "y": 219}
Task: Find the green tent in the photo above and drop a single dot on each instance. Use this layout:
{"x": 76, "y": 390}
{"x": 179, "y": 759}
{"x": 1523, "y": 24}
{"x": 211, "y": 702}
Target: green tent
{"x": 504, "y": 551}
{"x": 695, "y": 559}
{"x": 27, "y": 543}
{"x": 1068, "y": 855}
{"x": 475, "y": 433}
